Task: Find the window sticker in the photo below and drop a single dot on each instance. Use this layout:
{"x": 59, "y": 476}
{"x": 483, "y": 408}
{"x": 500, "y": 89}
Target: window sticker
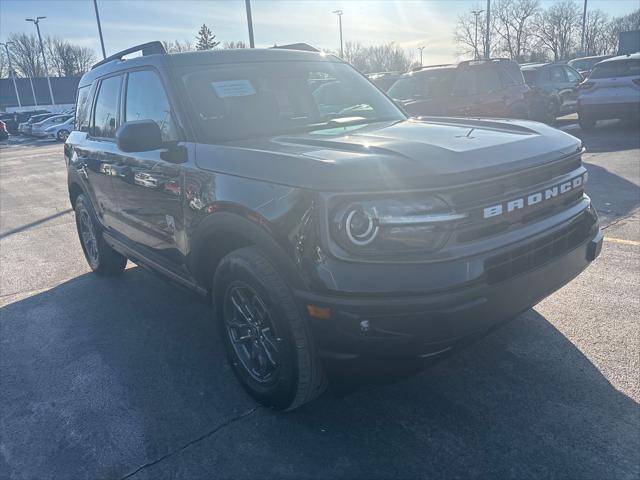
{"x": 233, "y": 88}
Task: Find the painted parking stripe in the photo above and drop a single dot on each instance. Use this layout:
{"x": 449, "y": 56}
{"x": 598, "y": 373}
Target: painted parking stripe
{"x": 622, "y": 241}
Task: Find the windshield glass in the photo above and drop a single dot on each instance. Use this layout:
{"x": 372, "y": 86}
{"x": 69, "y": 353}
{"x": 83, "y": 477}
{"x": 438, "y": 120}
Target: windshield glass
{"x": 426, "y": 84}
{"x": 235, "y": 101}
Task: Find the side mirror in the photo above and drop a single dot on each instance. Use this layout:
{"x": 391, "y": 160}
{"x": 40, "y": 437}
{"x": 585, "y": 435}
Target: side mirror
{"x": 139, "y": 136}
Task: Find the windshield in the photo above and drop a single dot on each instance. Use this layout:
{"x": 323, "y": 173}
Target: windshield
{"x": 235, "y": 101}
{"x": 426, "y": 84}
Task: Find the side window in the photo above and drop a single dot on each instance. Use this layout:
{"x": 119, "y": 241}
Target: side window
{"x": 572, "y": 75}
{"x": 464, "y": 83}
{"x": 488, "y": 80}
{"x": 105, "y": 117}
{"x": 147, "y": 100}
{"x": 557, "y": 75}
{"x": 83, "y": 105}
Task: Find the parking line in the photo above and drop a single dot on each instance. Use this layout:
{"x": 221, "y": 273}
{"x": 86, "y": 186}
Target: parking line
{"x": 622, "y": 241}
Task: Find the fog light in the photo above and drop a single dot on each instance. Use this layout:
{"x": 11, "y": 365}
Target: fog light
{"x": 365, "y": 326}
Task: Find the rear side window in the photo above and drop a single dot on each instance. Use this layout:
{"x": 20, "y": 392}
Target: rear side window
{"x": 511, "y": 73}
{"x": 105, "y": 117}
{"x": 464, "y": 83}
{"x": 147, "y": 100}
{"x": 618, "y": 68}
{"x": 83, "y": 106}
{"x": 488, "y": 80}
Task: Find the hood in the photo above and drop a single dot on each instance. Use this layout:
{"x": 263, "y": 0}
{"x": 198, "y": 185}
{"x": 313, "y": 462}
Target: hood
{"x": 425, "y": 153}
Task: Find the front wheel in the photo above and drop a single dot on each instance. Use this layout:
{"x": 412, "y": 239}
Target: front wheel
{"x": 268, "y": 343}
{"x": 587, "y": 122}
{"x": 102, "y": 259}
{"x": 62, "y": 135}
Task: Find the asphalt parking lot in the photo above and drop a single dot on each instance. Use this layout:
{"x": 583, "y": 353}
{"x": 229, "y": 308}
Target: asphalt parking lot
{"x": 125, "y": 378}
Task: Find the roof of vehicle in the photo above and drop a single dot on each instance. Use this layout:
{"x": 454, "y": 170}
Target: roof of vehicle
{"x": 533, "y": 66}
{"x": 631, "y": 56}
{"x": 592, "y": 57}
{"x": 155, "y": 57}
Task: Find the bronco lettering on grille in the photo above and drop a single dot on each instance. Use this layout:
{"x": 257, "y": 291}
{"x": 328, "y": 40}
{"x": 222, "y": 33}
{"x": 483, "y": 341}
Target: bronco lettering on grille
{"x": 535, "y": 197}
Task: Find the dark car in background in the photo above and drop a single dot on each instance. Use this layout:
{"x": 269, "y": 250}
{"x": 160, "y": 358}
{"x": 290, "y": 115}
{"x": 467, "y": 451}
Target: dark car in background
{"x": 384, "y": 80}
{"x": 554, "y": 90}
{"x": 13, "y": 119}
{"x": 4, "y": 134}
{"x": 476, "y": 88}
{"x": 584, "y": 65}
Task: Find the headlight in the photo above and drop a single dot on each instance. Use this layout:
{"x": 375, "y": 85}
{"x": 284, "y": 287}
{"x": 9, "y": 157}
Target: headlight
{"x": 390, "y": 227}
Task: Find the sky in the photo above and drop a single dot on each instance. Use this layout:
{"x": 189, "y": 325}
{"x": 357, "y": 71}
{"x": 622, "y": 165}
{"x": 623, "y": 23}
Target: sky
{"x": 410, "y": 23}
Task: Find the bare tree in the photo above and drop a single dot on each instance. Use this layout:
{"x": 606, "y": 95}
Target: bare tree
{"x": 596, "y": 38}
{"x": 388, "y": 57}
{"x": 25, "y": 55}
{"x": 66, "y": 59}
{"x": 178, "y": 46}
{"x": 471, "y": 40}
{"x": 621, "y": 24}
{"x": 514, "y": 26}
{"x": 557, "y": 27}
{"x": 234, "y": 44}
{"x": 4, "y": 64}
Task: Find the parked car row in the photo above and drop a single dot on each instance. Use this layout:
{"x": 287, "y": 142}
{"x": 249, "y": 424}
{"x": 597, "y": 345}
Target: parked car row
{"x": 604, "y": 87}
{"x": 38, "y": 123}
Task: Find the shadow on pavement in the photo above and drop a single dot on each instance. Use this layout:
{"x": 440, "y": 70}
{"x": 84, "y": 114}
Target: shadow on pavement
{"x": 101, "y": 376}
{"x": 612, "y": 195}
{"x": 611, "y": 136}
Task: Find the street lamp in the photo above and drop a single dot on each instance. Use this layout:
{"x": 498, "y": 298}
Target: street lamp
{"x": 95, "y": 6}
{"x": 339, "y": 14}
{"x": 250, "y": 24}
{"x": 421, "y": 49}
{"x": 36, "y": 21}
{"x": 13, "y": 74}
{"x": 475, "y": 43}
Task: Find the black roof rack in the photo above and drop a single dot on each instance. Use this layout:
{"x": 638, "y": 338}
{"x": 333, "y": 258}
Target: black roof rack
{"x": 298, "y": 46}
{"x": 149, "y": 48}
{"x": 484, "y": 60}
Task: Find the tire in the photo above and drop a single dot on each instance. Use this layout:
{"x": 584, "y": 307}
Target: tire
{"x": 274, "y": 355}
{"x": 587, "y": 122}
{"x": 551, "y": 111}
{"x": 102, "y": 259}
{"x": 62, "y": 135}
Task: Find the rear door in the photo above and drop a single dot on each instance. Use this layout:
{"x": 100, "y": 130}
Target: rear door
{"x": 93, "y": 146}
{"x": 149, "y": 184}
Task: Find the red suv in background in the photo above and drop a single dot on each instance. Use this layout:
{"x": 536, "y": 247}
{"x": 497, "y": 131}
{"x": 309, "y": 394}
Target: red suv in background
{"x": 474, "y": 88}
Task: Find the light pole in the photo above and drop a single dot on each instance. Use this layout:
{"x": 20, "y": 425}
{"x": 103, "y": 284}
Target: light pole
{"x": 36, "y": 21}
{"x": 250, "y": 23}
{"x": 421, "y": 49}
{"x": 95, "y": 6}
{"x": 475, "y": 42}
{"x": 339, "y": 14}
{"x": 13, "y": 74}
{"x": 487, "y": 50}
{"x": 584, "y": 21}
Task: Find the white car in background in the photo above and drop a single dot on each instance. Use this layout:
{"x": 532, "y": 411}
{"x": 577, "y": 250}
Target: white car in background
{"x": 612, "y": 90}
{"x": 39, "y": 129}
{"x": 60, "y": 131}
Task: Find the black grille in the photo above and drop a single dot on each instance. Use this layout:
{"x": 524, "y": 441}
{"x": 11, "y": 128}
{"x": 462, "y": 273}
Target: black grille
{"x": 534, "y": 254}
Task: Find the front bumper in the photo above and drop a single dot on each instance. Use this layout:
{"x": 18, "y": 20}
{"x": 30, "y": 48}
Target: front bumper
{"x": 427, "y": 324}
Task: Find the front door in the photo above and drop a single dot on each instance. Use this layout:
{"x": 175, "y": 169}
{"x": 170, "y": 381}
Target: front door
{"x": 149, "y": 184}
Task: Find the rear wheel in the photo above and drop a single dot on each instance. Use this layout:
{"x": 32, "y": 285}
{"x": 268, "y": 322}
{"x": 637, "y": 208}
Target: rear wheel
{"x": 268, "y": 342}
{"x": 587, "y": 122}
{"x": 100, "y": 256}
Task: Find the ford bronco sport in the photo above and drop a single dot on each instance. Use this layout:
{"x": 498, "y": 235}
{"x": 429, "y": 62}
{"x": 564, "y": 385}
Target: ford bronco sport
{"x": 323, "y": 228}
